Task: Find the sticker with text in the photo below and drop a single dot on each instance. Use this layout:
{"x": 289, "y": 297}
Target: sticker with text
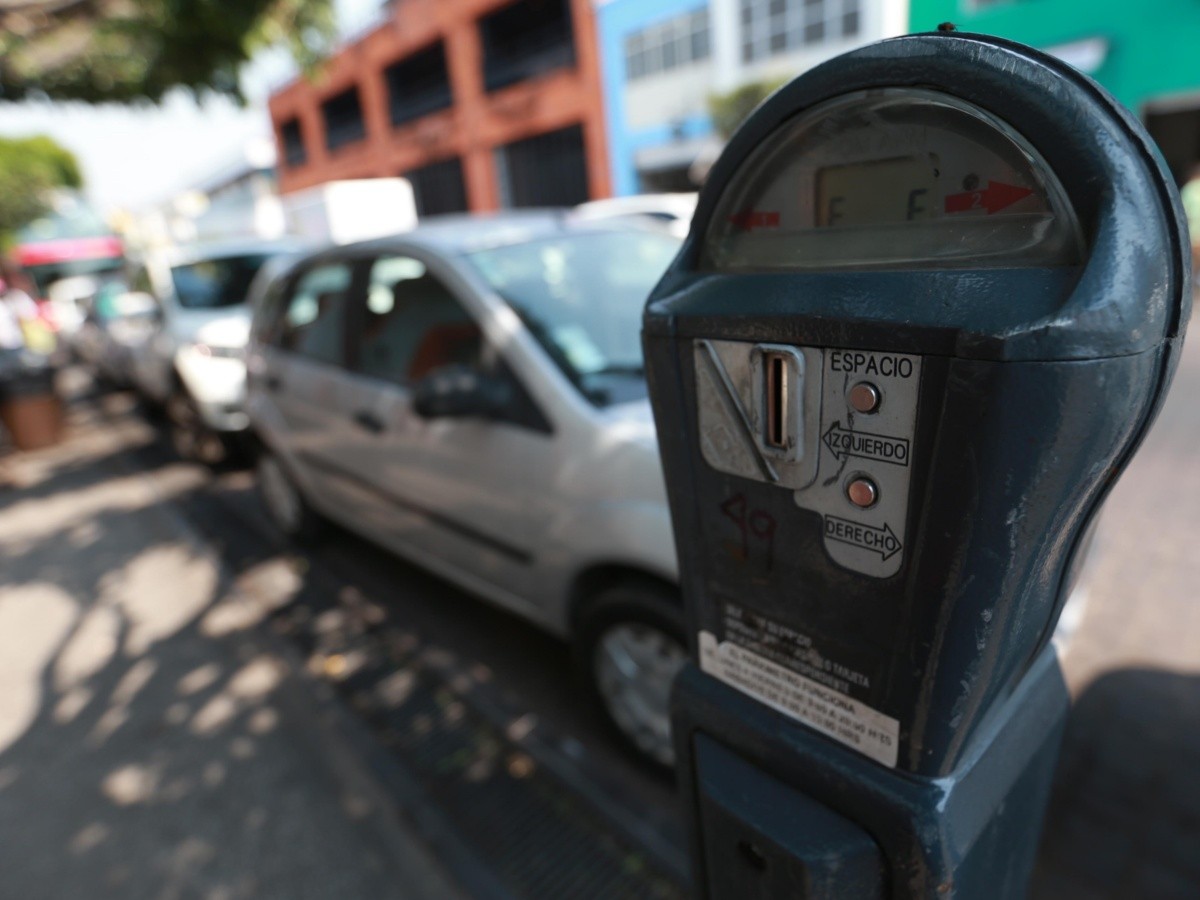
{"x": 842, "y": 718}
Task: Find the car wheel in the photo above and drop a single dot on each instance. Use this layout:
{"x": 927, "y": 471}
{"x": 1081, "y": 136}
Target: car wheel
{"x": 192, "y": 439}
{"x": 285, "y": 505}
{"x": 629, "y": 648}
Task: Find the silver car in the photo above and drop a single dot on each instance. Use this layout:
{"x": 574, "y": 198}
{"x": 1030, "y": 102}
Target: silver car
{"x": 471, "y": 396}
{"x": 192, "y": 360}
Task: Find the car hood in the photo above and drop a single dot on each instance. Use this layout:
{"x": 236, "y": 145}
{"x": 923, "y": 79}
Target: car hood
{"x": 218, "y": 327}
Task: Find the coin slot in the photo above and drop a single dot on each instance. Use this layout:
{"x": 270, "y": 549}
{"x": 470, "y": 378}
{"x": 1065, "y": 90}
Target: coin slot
{"x": 776, "y": 371}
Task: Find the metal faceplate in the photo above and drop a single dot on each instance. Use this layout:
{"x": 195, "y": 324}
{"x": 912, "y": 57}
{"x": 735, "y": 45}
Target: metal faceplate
{"x": 833, "y": 452}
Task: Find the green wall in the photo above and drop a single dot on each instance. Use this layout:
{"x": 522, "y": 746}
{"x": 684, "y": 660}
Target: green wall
{"x": 1153, "y": 45}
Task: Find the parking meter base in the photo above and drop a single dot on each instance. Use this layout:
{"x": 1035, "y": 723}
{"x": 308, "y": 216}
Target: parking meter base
{"x": 782, "y": 810}
{"x": 764, "y": 839}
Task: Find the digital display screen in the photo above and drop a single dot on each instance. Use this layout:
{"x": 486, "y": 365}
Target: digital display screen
{"x": 876, "y": 193}
{"x": 897, "y": 177}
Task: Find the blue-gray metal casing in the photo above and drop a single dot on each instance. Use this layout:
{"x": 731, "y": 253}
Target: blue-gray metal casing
{"x": 971, "y": 834}
{"x": 1037, "y": 386}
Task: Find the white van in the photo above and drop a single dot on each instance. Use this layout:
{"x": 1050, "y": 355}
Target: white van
{"x": 192, "y": 360}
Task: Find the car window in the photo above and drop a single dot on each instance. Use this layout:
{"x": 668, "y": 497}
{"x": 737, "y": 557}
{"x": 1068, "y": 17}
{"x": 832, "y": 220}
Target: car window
{"x": 216, "y": 283}
{"x": 268, "y": 317}
{"x": 581, "y": 296}
{"x": 314, "y": 321}
{"x": 268, "y": 300}
{"x": 413, "y": 324}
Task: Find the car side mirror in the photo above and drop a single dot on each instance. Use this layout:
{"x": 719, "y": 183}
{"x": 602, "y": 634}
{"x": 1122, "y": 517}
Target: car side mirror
{"x": 460, "y": 392}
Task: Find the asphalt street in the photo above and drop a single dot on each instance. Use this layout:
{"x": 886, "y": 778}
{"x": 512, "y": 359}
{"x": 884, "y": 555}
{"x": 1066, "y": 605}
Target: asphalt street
{"x": 153, "y": 741}
{"x": 509, "y": 780}
{"x": 509, "y": 740}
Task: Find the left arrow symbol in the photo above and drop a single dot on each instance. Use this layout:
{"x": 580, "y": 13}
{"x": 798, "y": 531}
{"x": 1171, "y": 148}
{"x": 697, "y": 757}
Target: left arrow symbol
{"x": 884, "y": 448}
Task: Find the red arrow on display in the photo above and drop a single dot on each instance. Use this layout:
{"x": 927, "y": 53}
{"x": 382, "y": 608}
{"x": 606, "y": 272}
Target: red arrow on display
{"x": 995, "y": 197}
{"x": 749, "y": 219}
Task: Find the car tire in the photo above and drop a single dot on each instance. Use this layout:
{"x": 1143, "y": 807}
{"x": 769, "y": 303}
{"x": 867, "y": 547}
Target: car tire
{"x": 284, "y": 503}
{"x": 191, "y": 438}
{"x": 151, "y": 410}
{"x": 629, "y": 645}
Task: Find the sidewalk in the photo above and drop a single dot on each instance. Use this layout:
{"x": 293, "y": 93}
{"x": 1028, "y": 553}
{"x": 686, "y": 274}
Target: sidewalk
{"x": 151, "y": 742}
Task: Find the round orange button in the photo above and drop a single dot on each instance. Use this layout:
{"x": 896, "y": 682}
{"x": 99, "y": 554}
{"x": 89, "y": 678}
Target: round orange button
{"x": 862, "y": 492}
{"x": 864, "y": 397}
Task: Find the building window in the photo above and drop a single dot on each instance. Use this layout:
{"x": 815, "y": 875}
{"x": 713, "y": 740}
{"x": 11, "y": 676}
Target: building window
{"x": 343, "y": 119}
{"x": 438, "y": 187}
{"x": 668, "y": 45}
{"x": 525, "y": 39}
{"x": 770, "y": 27}
{"x": 547, "y": 170}
{"x": 294, "y": 153}
{"x": 418, "y": 85}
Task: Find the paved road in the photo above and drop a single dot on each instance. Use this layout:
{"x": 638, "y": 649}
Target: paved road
{"x": 151, "y": 745}
{"x": 467, "y": 716}
{"x": 1125, "y": 818}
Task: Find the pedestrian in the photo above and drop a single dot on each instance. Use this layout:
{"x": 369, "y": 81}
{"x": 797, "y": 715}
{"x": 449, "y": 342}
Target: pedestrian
{"x": 17, "y": 310}
{"x": 18, "y": 318}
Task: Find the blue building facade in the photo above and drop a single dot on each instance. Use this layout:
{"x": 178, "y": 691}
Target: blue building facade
{"x": 661, "y": 59}
{"x": 657, "y": 70}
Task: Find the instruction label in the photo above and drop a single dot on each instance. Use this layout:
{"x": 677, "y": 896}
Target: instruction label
{"x": 882, "y": 448}
{"x": 834, "y": 667}
{"x": 862, "y": 362}
{"x": 878, "y": 540}
{"x": 830, "y": 712}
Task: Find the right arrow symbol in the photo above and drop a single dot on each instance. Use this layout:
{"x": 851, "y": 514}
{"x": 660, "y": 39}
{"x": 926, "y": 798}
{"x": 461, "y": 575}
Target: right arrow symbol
{"x": 881, "y": 540}
{"x": 995, "y": 197}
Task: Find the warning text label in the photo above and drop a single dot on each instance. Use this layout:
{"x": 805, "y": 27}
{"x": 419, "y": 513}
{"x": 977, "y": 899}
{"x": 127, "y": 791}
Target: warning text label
{"x": 834, "y": 714}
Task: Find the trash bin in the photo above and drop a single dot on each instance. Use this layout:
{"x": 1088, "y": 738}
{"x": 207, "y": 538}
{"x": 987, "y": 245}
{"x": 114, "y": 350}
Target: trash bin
{"x": 30, "y": 410}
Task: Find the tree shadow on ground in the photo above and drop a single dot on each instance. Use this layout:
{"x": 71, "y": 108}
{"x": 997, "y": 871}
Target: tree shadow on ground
{"x": 143, "y": 752}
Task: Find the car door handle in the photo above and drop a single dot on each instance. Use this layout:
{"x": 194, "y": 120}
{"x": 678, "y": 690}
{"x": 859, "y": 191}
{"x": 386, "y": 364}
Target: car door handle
{"x": 369, "y": 422}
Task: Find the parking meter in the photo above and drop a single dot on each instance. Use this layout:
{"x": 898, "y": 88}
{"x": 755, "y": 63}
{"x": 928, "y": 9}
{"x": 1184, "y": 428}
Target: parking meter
{"x": 931, "y": 301}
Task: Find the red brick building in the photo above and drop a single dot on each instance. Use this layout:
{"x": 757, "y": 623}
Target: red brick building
{"x": 482, "y": 104}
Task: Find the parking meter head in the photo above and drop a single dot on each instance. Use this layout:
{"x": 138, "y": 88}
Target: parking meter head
{"x": 930, "y": 303}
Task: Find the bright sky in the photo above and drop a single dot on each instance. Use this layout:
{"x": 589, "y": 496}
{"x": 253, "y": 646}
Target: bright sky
{"x": 134, "y": 157}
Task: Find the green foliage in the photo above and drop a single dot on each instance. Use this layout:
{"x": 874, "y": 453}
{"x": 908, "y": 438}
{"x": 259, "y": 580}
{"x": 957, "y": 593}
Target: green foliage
{"x": 729, "y": 110}
{"x": 129, "y": 50}
{"x": 30, "y": 168}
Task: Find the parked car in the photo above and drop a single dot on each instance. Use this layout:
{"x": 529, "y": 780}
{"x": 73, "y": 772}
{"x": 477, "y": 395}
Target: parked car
{"x": 193, "y": 363}
{"x": 115, "y": 322}
{"x": 670, "y": 211}
{"x": 471, "y": 395}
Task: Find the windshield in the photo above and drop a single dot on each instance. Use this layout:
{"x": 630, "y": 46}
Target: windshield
{"x": 216, "y": 283}
{"x": 582, "y": 297}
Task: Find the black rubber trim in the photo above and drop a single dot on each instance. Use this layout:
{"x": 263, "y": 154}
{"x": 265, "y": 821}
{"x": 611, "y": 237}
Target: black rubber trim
{"x": 516, "y": 554}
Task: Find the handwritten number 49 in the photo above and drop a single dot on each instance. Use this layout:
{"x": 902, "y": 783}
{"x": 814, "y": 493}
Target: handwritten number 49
{"x": 753, "y": 524}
